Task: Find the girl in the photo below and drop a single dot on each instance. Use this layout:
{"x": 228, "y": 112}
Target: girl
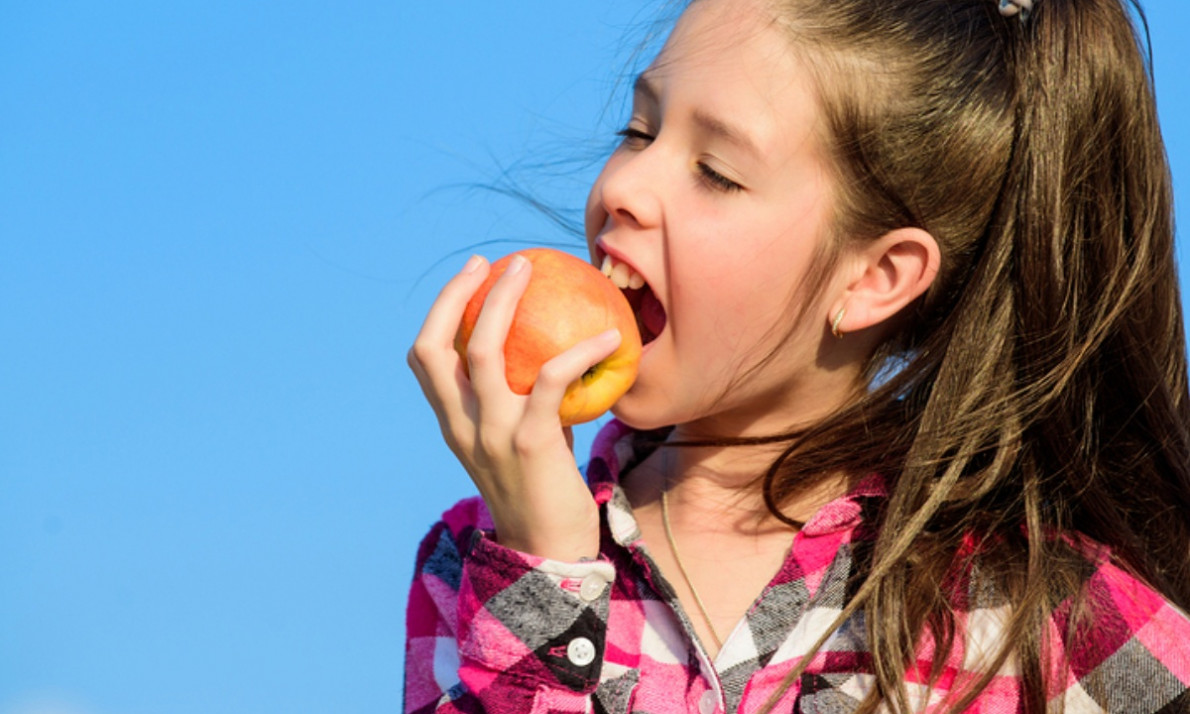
{"x": 910, "y": 429}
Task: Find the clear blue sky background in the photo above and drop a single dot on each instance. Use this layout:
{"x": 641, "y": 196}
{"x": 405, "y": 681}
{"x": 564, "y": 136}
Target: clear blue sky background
{"x": 222, "y": 223}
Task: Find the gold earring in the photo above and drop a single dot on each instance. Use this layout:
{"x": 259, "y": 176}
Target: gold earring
{"x": 835, "y": 323}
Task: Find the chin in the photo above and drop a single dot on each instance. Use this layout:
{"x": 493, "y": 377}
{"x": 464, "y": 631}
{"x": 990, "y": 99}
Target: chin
{"x": 631, "y": 411}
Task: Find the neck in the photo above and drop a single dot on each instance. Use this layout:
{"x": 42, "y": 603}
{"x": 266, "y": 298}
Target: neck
{"x": 790, "y": 406}
{"x": 728, "y": 478}
{"x": 721, "y": 486}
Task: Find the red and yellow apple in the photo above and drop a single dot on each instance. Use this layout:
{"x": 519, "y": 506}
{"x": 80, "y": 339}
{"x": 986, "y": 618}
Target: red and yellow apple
{"x": 567, "y": 301}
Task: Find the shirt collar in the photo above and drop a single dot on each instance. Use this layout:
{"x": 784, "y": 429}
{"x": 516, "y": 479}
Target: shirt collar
{"x": 614, "y": 447}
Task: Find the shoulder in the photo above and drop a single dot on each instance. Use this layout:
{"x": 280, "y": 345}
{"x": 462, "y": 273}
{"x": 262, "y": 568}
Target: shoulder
{"x": 1115, "y": 645}
{"x": 1125, "y": 646}
{"x": 1118, "y": 609}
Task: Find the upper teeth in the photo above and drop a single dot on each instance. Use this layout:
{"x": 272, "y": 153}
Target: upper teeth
{"x": 621, "y": 275}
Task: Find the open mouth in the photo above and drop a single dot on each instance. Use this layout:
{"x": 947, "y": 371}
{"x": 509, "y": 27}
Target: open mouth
{"x": 650, "y": 315}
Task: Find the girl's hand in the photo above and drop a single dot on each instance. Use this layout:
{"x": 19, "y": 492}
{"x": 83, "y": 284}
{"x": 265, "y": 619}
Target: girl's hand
{"x": 514, "y": 447}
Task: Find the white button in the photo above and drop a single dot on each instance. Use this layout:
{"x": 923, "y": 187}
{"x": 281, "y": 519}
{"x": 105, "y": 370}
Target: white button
{"x": 580, "y": 651}
{"x": 708, "y": 702}
{"x": 592, "y": 587}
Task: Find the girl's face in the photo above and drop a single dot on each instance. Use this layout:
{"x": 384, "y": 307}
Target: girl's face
{"x": 719, "y": 199}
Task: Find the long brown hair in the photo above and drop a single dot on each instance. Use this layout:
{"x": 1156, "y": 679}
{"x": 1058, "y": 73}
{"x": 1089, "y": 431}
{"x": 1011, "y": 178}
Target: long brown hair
{"x": 1040, "y": 387}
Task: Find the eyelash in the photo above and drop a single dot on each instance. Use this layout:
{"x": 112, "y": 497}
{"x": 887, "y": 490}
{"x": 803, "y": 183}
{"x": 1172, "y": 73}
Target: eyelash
{"x": 714, "y": 179}
{"x": 717, "y": 180}
{"x": 628, "y": 135}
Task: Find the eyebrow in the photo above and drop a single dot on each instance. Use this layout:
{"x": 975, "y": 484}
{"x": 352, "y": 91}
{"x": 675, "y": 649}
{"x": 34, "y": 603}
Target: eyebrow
{"x": 704, "y": 120}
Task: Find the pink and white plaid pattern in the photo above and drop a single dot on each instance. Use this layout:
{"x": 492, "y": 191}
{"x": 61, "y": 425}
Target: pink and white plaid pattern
{"x": 497, "y": 631}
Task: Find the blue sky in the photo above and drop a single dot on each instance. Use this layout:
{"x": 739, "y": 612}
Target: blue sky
{"x": 222, "y": 225}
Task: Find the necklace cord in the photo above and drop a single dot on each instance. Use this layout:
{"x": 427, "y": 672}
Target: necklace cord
{"x": 673, "y": 547}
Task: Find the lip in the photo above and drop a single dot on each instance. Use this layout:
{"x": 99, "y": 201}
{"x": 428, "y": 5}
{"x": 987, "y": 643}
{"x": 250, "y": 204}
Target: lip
{"x": 602, "y": 249}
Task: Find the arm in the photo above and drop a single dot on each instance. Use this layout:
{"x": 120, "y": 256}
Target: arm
{"x": 513, "y": 446}
{"x": 504, "y": 628}
{"x": 494, "y": 630}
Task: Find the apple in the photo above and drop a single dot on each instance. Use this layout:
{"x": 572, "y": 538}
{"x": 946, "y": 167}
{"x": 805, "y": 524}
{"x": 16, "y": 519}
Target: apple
{"x": 567, "y": 301}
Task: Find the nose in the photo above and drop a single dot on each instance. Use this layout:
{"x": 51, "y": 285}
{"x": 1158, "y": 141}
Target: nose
{"x": 629, "y": 189}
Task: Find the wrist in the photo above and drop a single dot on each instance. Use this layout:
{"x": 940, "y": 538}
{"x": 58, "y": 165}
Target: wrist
{"x": 570, "y": 542}
{"x": 569, "y": 549}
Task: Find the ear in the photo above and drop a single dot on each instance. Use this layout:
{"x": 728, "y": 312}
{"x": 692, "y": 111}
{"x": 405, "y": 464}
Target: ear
{"x": 885, "y": 276}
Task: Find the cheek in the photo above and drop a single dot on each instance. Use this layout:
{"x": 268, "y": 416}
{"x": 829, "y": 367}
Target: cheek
{"x": 749, "y": 291}
{"x": 595, "y": 214}
{"x": 729, "y": 308}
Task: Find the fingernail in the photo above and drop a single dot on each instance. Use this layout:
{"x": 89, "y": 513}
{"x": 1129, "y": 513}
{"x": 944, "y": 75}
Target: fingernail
{"x": 472, "y": 264}
{"x": 517, "y": 264}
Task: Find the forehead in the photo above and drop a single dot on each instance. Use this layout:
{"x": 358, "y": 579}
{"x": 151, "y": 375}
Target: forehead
{"x": 733, "y": 59}
{"x": 710, "y": 29}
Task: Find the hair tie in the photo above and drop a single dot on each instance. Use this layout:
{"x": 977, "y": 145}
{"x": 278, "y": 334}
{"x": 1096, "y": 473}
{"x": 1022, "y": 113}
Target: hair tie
{"x": 1008, "y": 8}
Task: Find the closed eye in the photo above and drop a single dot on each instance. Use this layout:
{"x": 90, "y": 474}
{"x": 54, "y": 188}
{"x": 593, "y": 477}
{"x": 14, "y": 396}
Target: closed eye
{"x": 634, "y": 137}
{"x": 717, "y": 180}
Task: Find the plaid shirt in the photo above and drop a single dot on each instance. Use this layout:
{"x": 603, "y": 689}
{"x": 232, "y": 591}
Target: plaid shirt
{"x": 502, "y": 632}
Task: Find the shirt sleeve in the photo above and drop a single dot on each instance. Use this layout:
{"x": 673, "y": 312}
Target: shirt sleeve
{"x": 493, "y": 630}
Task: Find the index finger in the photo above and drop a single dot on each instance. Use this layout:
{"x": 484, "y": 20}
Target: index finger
{"x": 442, "y": 321}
